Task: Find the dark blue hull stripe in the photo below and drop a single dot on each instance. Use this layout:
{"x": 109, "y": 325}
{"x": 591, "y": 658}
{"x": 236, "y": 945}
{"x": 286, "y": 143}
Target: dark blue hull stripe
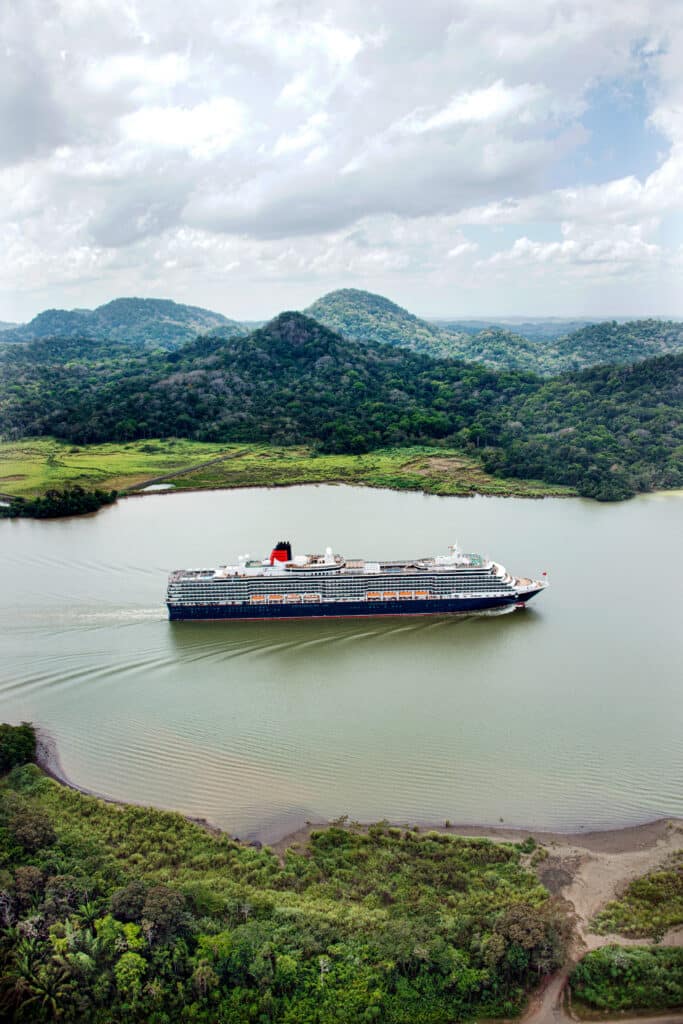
{"x": 344, "y": 609}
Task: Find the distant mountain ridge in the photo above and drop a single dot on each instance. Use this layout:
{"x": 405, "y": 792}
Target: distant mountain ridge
{"x": 364, "y": 317}
{"x": 538, "y": 329}
{"x": 141, "y": 322}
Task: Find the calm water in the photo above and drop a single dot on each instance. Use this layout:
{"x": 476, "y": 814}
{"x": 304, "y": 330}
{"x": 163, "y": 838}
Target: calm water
{"x": 567, "y": 715}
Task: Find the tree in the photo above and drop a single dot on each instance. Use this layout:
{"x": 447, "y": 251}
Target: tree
{"x": 129, "y": 971}
{"x": 17, "y": 745}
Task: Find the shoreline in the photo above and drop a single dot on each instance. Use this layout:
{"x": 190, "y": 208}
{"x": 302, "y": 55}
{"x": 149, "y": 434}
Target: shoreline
{"x": 623, "y": 839}
{"x": 585, "y": 870}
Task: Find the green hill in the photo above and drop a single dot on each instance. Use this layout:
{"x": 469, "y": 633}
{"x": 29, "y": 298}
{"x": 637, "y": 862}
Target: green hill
{"x": 364, "y": 316}
{"x": 546, "y": 348}
{"x": 613, "y": 342}
{"x": 608, "y": 432}
{"x": 145, "y": 322}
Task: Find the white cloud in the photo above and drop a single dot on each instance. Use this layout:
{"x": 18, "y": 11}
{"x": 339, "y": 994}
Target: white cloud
{"x": 493, "y": 103}
{"x": 305, "y": 136}
{"x": 204, "y": 130}
{"x": 310, "y": 145}
{"x": 137, "y": 70}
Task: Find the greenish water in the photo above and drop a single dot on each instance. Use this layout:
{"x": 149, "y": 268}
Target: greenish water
{"x": 567, "y": 715}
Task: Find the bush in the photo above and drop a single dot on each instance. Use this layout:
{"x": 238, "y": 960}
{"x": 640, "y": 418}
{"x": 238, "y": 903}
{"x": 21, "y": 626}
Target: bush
{"x": 32, "y": 829}
{"x": 17, "y": 745}
{"x": 631, "y": 978}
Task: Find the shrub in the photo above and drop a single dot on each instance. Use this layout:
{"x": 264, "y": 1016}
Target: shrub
{"x": 17, "y": 745}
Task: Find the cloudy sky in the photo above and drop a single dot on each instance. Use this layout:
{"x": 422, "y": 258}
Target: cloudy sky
{"x": 462, "y": 157}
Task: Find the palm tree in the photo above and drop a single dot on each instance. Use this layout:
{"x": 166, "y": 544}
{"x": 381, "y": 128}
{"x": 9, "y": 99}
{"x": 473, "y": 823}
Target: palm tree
{"x": 87, "y": 914}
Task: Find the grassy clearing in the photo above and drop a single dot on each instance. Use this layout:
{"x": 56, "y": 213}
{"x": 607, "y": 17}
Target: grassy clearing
{"x": 433, "y": 470}
{"x": 29, "y": 468}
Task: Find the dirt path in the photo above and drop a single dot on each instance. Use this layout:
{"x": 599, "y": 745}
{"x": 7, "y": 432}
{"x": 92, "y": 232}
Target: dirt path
{"x": 184, "y": 472}
{"x": 589, "y": 878}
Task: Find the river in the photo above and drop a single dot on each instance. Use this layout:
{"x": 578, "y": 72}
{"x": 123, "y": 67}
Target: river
{"x": 568, "y": 715}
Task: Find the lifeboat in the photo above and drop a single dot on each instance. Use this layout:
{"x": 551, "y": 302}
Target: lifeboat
{"x": 405, "y": 593}
{"x": 421, "y": 594}
{"x": 373, "y": 595}
{"x": 313, "y": 597}
{"x": 390, "y": 595}
{"x": 275, "y": 598}
{"x": 293, "y": 598}
{"x": 257, "y": 598}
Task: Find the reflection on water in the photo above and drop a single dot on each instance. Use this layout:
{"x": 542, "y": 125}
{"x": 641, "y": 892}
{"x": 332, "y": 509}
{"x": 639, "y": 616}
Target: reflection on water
{"x": 566, "y": 715}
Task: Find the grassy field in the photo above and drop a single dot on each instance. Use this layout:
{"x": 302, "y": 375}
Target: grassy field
{"x": 30, "y": 467}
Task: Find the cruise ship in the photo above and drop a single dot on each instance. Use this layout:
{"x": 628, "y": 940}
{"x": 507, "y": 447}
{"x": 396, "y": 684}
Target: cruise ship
{"x": 330, "y": 586}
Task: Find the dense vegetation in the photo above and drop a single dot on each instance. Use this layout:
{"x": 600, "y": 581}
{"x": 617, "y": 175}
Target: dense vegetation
{"x": 363, "y": 316}
{"x": 149, "y": 323}
{"x": 608, "y": 432}
{"x": 72, "y": 501}
{"x": 532, "y": 330}
{"x": 613, "y": 342}
{"x": 17, "y": 745}
{"x": 650, "y": 906}
{"x": 632, "y": 978}
{"x": 118, "y": 913}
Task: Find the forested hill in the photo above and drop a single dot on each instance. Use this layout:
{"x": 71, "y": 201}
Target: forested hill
{"x": 145, "y": 322}
{"x": 363, "y": 316}
{"x": 612, "y": 342}
{"x": 609, "y": 431}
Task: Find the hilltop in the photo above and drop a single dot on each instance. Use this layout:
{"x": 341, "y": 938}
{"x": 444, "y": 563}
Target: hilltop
{"x": 364, "y": 316}
{"x": 142, "y": 322}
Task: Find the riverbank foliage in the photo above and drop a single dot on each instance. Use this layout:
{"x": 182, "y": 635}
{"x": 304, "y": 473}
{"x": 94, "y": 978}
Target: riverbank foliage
{"x": 650, "y": 905}
{"x": 17, "y": 745}
{"x": 72, "y": 501}
{"x": 607, "y": 432}
{"x": 629, "y": 978}
{"x": 118, "y": 913}
{"x": 34, "y": 465}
